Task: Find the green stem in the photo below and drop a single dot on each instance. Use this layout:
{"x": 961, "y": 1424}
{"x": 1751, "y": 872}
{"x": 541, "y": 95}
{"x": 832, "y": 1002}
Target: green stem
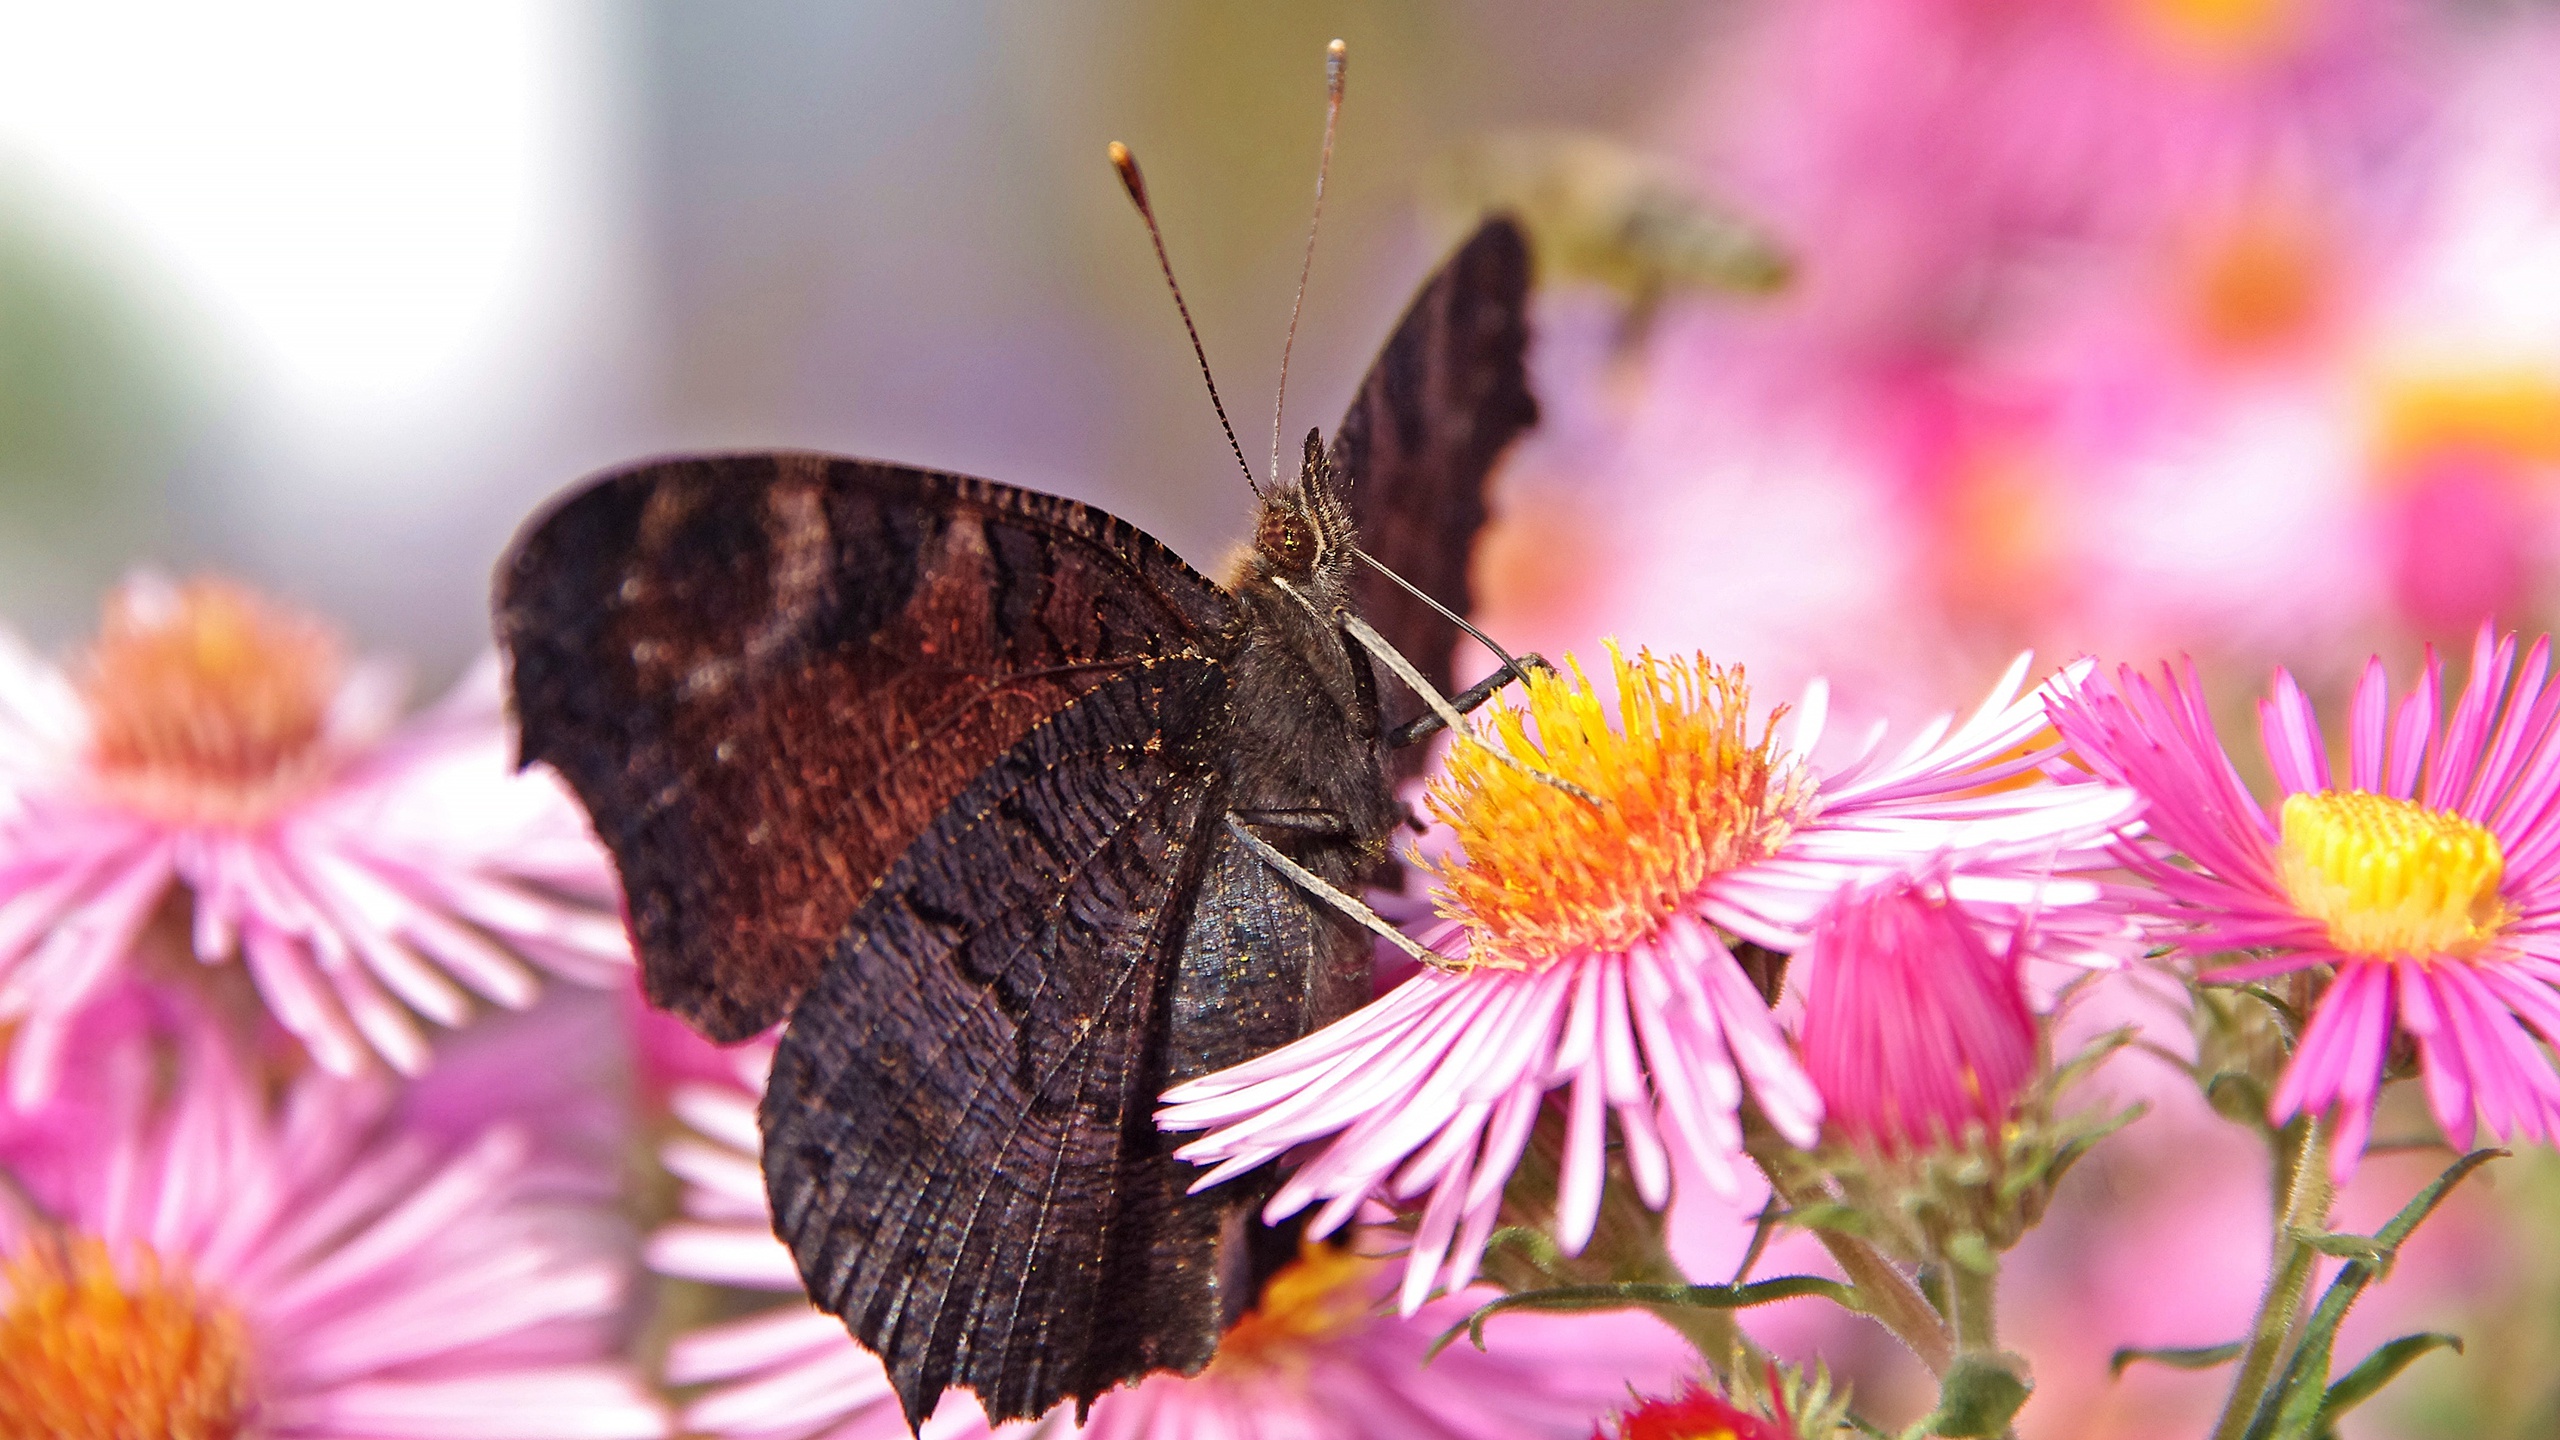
{"x": 1971, "y": 1296}
{"x": 2302, "y": 1150}
{"x": 1627, "y": 1245}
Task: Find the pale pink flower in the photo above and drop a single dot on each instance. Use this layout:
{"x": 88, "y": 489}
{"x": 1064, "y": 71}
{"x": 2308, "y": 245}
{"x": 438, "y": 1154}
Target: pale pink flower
{"x": 179, "y": 1257}
{"x": 1317, "y": 1360}
{"x": 2426, "y": 879}
{"x": 1599, "y": 950}
{"x": 1916, "y": 1028}
{"x": 366, "y": 872}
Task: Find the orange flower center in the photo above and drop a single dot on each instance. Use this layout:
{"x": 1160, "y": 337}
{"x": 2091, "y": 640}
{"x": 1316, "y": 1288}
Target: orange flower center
{"x": 91, "y": 1355}
{"x": 2257, "y": 285}
{"x": 207, "y": 704}
{"x": 1683, "y": 794}
{"x": 2392, "y": 878}
{"x": 1322, "y": 1295}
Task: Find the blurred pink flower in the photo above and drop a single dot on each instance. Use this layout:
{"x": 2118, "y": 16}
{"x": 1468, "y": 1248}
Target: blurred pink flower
{"x": 1315, "y": 1361}
{"x": 1938, "y": 164}
{"x": 364, "y": 873}
{"x": 198, "y": 1263}
{"x": 1600, "y": 963}
{"x": 2429, "y": 883}
{"x": 1915, "y": 1029}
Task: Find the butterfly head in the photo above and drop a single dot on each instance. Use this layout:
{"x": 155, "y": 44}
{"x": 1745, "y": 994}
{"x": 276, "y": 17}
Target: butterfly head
{"x": 1304, "y": 534}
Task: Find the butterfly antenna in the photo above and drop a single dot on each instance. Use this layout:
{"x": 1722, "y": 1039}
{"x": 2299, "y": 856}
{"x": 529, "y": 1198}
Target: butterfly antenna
{"x": 1336, "y": 57}
{"x": 1443, "y": 611}
{"x": 1136, "y": 185}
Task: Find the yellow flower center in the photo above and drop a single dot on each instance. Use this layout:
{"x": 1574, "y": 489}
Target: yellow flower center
{"x": 1684, "y": 793}
{"x": 2228, "y": 32}
{"x": 2508, "y": 417}
{"x": 207, "y": 704}
{"x": 1322, "y": 1295}
{"x": 2392, "y": 878}
{"x": 91, "y": 1355}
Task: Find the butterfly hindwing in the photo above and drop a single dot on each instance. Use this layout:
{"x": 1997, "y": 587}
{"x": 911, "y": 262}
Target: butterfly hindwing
{"x": 765, "y": 674}
{"x": 1438, "y": 406}
{"x": 959, "y": 1143}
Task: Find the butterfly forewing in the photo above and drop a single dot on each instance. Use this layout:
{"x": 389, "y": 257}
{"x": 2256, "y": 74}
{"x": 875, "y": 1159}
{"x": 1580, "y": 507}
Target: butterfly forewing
{"x": 1444, "y": 397}
{"x": 766, "y": 674}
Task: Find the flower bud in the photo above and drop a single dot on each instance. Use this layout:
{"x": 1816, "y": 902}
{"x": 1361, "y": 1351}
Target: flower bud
{"x": 1914, "y": 1028}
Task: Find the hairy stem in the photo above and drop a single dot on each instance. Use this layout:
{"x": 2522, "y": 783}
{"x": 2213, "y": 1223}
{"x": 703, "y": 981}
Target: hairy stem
{"x": 2302, "y": 1167}
{"x": 1891, "y": 1298}
{"x": 1971, "y": 1297}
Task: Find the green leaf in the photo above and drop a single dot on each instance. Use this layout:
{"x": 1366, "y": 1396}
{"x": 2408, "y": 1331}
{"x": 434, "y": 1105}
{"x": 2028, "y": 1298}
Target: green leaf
{"x": 1650, "y": 1297}
{"x": 2347, "y": 1247}
{"x": 1533, "y": 1245}
{"x": 2379, "y": 1369}
{"x": 2194, "y": 1357}
{"x": 2424, "y": 1203}
{"x": 1979, "y": 1396}
{"x": 2291, "y": 1406}
{"x": 1831, "y": 1215}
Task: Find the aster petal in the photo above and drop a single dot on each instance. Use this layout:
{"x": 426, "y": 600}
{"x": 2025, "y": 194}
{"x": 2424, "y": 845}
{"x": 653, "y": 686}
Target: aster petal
{"x": 2368, "y": 719}
{"x": 2525, "y": 718}
{"x": 2448, "y": 1082}
{"x": 2292, "y": 736}
{"x": 737, "y": 1347}
{"x": 2458, "y": 754}
{"x": 2356, "y": 1002}
{"x": 2413, "y": 736}
{"x": 569, "y": 1403}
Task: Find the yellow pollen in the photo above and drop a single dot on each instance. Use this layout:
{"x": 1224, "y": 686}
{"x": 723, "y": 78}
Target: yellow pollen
{"x": 91, "y": 1355}
{"x": 1322, "y": 1295}
{"x": 2392, "y": 878}
{"x": 1685, "y": 793}
{"x": 208, "y": 704}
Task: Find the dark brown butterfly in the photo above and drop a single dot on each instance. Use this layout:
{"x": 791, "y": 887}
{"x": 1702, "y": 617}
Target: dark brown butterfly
{"x": 950, "y": 774}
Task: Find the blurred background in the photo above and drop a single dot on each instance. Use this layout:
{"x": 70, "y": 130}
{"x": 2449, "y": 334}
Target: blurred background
{"x": 332, "y": 296}
{"x": 1877, "y": 339}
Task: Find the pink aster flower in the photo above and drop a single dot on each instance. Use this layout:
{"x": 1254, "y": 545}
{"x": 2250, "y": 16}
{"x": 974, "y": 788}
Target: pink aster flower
{"x": 179, "y": 1258}
{"x": 1316, "y": 1360}
{"x": 365, "y": 873}
{"x": 1600, "y": 959}
{"x": 2427, "y": 884}
{"x": 1916, "y": 1028}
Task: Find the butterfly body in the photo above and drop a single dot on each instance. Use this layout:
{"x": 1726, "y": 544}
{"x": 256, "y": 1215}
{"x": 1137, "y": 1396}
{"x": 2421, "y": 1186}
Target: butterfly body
{"x": 948, "y": 773}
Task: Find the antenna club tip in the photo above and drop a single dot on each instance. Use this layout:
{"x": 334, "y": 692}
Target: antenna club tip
{"x": 1337, "y": 56}
{"x": 1127, "y": 164}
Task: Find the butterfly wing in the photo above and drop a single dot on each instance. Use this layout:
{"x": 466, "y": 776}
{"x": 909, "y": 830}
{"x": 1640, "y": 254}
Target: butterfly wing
{"x": 1444, "y": 397}
{"x": 958, "y": 1135}
{"x": 766, "y": 674}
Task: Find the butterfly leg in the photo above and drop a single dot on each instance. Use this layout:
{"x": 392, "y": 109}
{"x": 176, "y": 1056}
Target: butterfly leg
{"x": 1335, "y": 896}
{"x": 1321, "y": 824}
{"x": 1430, "y": 723}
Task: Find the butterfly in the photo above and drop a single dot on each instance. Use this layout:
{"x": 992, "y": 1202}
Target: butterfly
{"x": 981, "y": 789}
